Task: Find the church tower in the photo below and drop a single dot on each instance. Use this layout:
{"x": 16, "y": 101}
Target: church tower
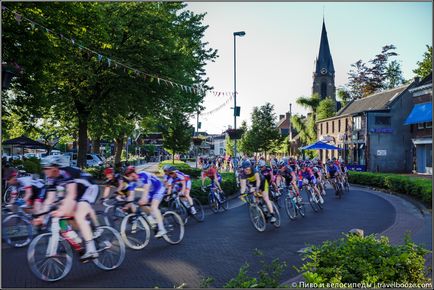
{"x": 324, "y": 75}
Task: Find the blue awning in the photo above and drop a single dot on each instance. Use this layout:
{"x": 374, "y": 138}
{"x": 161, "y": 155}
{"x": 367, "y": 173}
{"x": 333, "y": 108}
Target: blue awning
{"x": 420, "y": 113}
{"x": 318, "y": 145}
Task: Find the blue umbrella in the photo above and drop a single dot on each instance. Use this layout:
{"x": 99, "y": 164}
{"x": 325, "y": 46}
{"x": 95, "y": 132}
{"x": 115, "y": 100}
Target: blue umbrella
{"x": 318, "y": 145}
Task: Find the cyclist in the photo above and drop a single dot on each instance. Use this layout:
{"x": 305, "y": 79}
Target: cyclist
{"x": 332, "y": 172}
{"x": 153, "y": 193}
{"x": 251, "y": 176}
{"x": 175, "y": 176}
{"x": 288, "y": 175}
{"x": 212, "y": 173}
{"x": 316, "y": 168}
{"x": 114, "y": 180}
{"x": 306, "y": 172}
{"x": 267, "y": 172}
{"x": 34, "y": 190}
{"x": 80, "y": 194}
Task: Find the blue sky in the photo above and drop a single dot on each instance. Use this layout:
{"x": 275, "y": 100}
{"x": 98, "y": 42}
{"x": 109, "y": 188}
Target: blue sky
{"x": 275, "y": 60}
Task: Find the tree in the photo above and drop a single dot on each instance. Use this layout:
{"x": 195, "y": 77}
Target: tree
{"x": 424, "y": 67}
{"x": 310, "y": 103}
{"x": 264, "y": 130}
{"x": 380, "y": 73}
{"x": 344, "y": 96}
{"x": 325, "y": 109}
{"x": 229, "y": 146}
{"x": 246, "y": 142}
{"x": 177, "y": 133}
{"x": 162, "y": 38}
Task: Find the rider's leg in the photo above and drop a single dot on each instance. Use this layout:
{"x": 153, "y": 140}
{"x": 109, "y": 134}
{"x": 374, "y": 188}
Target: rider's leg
{"x": 266, "y": 197}
{"x": 83, "y": 209}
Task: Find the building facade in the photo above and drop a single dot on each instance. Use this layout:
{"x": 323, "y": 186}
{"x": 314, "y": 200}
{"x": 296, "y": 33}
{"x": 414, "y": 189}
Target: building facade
{"x": 371, "y": 132}
{"x": 420, "y": 122}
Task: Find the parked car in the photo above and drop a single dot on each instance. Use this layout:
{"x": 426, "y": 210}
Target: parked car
{"x": 92, "y": 159}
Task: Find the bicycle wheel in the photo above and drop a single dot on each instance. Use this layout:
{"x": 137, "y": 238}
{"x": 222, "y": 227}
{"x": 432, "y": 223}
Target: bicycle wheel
{"x": 17, "y": 231}
{"x": 213, "y": 202}
{"x": 113, "y": 216}
{"x": 301, "y": 209}
{"x": 276, "y": 215}
{"x": 7, "y": 195}
{"x": 257, "y": 218}
{"x": 111, "y": 249}
{"x": 290, "y": 207}
{"x": 347, "y": 186}
{"x": 180, "y": 210}
{"x": 312, "y": 200}
{"x": 135, "y": 231}
{"x": 174, "y": 227}
{"x": 224, "y": 201}
{"x": 200, "y": 214}
{"x": 45, "y": 265}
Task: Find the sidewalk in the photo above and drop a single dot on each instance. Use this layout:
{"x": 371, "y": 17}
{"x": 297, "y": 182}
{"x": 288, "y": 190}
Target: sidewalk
{"x": 411, "y": 217}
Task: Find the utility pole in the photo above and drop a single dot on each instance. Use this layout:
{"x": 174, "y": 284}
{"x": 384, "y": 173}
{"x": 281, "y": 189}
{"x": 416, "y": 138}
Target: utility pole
{"x": 290, "y": 130}
{"x": 197, "y": 133}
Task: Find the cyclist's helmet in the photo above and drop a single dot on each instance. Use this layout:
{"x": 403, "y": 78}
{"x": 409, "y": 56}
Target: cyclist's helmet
{"x": 54, "y": 161}
{"x": 130, "y": 169}
{"x": 12, "y": 174}
{"x": 171, "y": 169}
{"x": 246, "y": 164}
{"x": 261, "y": 163}
{"x": 108, "y": 171}
{"x": 281, "y": 164}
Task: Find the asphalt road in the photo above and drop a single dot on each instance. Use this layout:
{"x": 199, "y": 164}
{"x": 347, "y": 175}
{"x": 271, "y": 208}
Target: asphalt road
{"x": 218, "y": 247}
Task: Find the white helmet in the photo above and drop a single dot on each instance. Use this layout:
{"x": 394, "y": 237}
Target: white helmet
{"x": 54, "y": 161}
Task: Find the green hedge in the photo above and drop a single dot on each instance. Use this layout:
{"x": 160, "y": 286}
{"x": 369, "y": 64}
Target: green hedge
{"x": 32, "y": 165}
{"x": 180, "y": 165}
{"x": 356, "y": 259}
{"x": 96, "y": 172}
{"x": 420, "y": 188}
{"x": 228, "y": 185}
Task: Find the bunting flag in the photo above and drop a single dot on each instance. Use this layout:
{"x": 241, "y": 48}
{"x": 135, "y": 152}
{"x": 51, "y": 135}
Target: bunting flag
{"x": 189, "y": 89}
{"x": 218, "y": 108}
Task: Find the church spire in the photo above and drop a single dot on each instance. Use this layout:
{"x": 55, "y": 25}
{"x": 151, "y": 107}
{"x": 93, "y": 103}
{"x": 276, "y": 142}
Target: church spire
{"x": 324, "y": 64}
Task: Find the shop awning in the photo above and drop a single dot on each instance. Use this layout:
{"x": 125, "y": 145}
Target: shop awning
{"x": 421, "y": 113}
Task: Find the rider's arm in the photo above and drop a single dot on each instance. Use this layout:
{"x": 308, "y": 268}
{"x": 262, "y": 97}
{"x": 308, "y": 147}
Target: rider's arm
{"x": 243, "y": 186}
{"x": 258, "y": 181}
{"x": 203, "y": 176}
{"x": 107, "y": 192}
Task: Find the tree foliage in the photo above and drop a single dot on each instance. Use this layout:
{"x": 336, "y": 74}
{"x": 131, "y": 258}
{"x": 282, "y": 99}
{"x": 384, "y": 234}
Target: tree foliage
{"x": 424, "y": 67}
{"x": 325, "y": 109}
{"x": 177, "y": 133}
{"x": 378, "y": 74}
{"x": 98, "y": 98}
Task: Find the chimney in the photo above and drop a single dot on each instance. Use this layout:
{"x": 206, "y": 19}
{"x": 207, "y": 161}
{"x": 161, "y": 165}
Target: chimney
{"x": 281, "y": 117}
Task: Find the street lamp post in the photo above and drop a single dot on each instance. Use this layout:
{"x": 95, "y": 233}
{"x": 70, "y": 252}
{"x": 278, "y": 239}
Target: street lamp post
{"x": 239, "y": 33}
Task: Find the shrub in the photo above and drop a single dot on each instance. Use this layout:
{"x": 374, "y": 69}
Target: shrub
{"x": 96, "y": 172}
{"x": 269, "y": 275}
{"x": 180, "y": 165}
{"x": 228, "y": 185}
{"x": 420, "y": 188}
{"x": 32, "y": 165}
{"x": 356, "y": 259}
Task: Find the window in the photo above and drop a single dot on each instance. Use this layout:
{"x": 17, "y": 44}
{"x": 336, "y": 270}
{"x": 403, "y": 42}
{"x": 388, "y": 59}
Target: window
{"x": 323, "y": 90}
{"x": 327, "y": 127}
{"x": 339, "y": 125}
{"x": 420, "y": 126}
{"x": 357, "y": 123}
{"x": 320, "y": 130}
{"x": 428, "y": 125}
{"x": 382, "y": 120}
{"x": 333, "y": 126}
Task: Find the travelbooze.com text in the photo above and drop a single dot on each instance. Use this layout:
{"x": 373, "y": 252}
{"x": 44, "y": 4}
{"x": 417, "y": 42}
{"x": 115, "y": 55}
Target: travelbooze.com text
{"x": 361, "y": 285}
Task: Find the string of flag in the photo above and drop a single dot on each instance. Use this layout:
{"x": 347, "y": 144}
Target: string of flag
{"x": 206, "y": 114}
{"x": 116, "y": 64}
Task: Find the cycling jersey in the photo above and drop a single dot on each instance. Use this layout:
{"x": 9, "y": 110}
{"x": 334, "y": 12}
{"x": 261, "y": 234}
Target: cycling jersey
{"x": 286, "y": 174}
{"x": 156, "y": 190}
{"x": 87, "y": 190}
{"x": 307, "y": 173}
{"x": 267, "y": 172}
{"x": 179, "y": 177}
{"x": 117, "y": 181}
{"x": 251, "y": 178}
{"x": 332, "y": 170}
{"x": 27, "y": 182}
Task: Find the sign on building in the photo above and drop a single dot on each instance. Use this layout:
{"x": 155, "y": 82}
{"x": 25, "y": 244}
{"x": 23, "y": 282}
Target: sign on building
{"x": 381, "y": 152}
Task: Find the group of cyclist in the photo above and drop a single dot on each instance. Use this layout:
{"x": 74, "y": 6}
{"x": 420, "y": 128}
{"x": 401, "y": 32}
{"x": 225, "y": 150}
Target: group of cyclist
{"x": 76, "y": 192}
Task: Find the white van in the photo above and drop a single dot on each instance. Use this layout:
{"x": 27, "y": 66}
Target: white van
{"x": 92, "y": 159}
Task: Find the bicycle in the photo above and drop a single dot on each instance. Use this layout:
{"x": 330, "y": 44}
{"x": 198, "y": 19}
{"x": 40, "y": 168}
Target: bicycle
{"x": 311, "y": 196}
{"x": 338, "y": 186}
{"x": 7, "y": 196}
{"x": 136, "y": 228}
{"x": 293, "y": 204}
{"x": 17, "y": 229}
{"x": 346, "y": 183}
{"x": 113, "y": 212}
{"x": 182, "y": 207}
{"x": 259, "y": 213}
{"x": 276, "y": 196}
{"x": 50, "y": 256}
{"x": 217, "y": 199}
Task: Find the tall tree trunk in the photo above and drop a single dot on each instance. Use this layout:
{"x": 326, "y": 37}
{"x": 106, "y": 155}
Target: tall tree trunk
{"x": 96, "y": 145}
{"x": 118, "y": 150}
{"x": 82, "y": 140}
